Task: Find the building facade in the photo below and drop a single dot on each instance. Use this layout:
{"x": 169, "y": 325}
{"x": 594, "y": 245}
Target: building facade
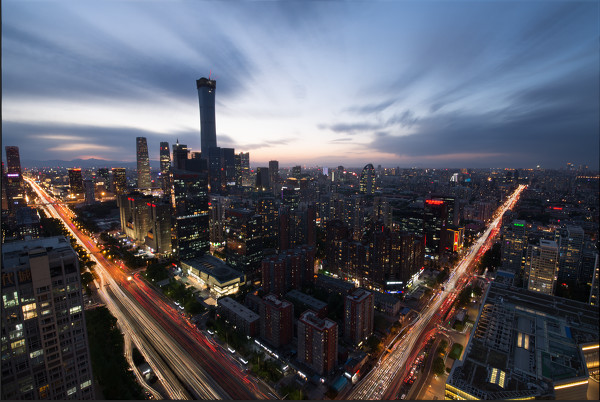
{"x": 206, "y": 97}
{"x": 45, "y": 351}
{"x": 317, "y": 342}
{"x": 359, "y": 311}
{"x": 276, "y": 321}
{"x": 143, "y": 164}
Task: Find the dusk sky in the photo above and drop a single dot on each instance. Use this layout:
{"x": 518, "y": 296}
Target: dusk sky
{"x": 396, "y": 83}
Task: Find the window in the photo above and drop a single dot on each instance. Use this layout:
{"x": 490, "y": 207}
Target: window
{"x": 10, "y": 300}
{"x": 29, "y": 311}
{"x": 75, "y": 309}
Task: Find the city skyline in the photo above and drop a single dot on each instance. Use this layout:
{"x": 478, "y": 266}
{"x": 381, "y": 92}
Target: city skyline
{"x": 428, "y": 84}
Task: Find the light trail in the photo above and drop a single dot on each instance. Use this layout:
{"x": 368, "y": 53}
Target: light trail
{"x": 377, "y": 382}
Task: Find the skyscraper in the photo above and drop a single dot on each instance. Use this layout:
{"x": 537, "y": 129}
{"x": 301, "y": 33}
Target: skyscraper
{"x": 191, "y": 213}
{"x": 273, "y": 172}
{"x": 367, "y": 180}
{"x": 180, "y": 155}
{"x": 44, "y": 339}
{"x": 14, "y": 179}
{"x": 262, "y": 179}
{"x": 143, "y": 163}
{"x": 165, "y": 168}
{"x": 208, "y": 132}
{"x": 245, "y": 167}
{"x": 119, "y": 180}
{"x": 76, "y": 181}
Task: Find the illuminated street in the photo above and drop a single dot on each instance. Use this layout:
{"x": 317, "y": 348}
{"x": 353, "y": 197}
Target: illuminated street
{"x": 187, "y": 364}
{"x": 383, "y": 381}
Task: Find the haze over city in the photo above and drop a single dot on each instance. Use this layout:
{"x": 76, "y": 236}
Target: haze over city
{"x": 407, "y": 83}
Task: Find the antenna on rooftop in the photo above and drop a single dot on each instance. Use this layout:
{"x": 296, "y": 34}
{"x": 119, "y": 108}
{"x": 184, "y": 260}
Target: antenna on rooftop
{"x": 209, "y": 72}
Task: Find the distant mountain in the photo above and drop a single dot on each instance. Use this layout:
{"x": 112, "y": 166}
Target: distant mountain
{"x": 83, "y": 163}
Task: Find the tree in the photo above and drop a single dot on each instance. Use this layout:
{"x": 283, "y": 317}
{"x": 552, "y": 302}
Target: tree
{"x": 439, "y": 367}
{"x": 108, "y": 361}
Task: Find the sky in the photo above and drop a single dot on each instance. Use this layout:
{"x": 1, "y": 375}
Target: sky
{"x": 397, "y": 83}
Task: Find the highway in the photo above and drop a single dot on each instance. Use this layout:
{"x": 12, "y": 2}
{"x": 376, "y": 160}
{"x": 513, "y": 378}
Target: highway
{"x": 383, "y": 380}
{"x": 187, "y": 364}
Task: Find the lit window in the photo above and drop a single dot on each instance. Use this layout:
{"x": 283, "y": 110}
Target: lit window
{"x": 29, "y": 311}
{"x": 75, "y": 309}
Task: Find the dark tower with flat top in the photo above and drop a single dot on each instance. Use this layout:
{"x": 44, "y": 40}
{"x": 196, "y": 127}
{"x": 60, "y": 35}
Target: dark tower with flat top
{"x": 208, "y": 132}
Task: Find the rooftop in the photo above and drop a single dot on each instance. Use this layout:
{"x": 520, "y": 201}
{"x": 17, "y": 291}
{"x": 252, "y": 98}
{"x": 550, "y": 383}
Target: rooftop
{"x": 214, "y": 267}
{"x": 310, "y": 317}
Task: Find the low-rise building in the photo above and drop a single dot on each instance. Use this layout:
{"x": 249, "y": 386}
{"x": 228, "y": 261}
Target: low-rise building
{"x": 239, "y": 316}
{"x": 306, "y": 302}
{"x": 213, "y": 273}
{"x": 526, "y": 345}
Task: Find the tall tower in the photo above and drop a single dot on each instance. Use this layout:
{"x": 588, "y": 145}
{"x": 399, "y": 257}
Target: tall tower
{"x": 165, "y": 168}
{"x": 208, "y": 132}
{"x": 143, "y": 163}
{"x": 14, "y": 179}
{"x": 367, "y": 180}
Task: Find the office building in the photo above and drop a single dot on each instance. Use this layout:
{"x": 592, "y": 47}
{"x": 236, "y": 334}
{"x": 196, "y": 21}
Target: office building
{"x": 317, "y": 342}
{"x": 89, "y": 188}
{"x": 245, "y": 168}
{"x": 103, "y": 176}
{"x": 435, "y": 220}
{"x": 243, "y": 242}
{"x": 542, "y": 266}
{"x": 166, "y": 176}
{"x": 28, "y": 223}
{"x": 220, "y": 279}
{"x": 262, "y": 179}
{"x": 570, "y": 241}
{"x": 44, "y": 339}
{"x": 359, "y": 311}
{"x": 143, "y": 164}
{"x": 514, "y": 246}
{"x": 297, "y": 226}
{"x": 221, "y": 169}
{"x": 158, "y": 235}
{"x": 276, "y": 321}
{"x": 76, "y": 182}
{"x": 119, "y": 181}
{"x": 180, "y": 155}
{"x": 13, "y": 181}
{"x": 368, "y": 179}
{"x": 273, "y": 172}
{"x": 239, "y": 315}
{"x": 206, "y": 97}
{"x": 526, "y": 345}
{"x": 191, "y": 213}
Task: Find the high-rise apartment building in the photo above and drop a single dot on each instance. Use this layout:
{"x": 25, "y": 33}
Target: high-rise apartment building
{"x": 76, "y": 182}
{"x": 290, "y": 269}
{"x": 542, "y": 266}
{"x": 359, "y": 311}
{"x": 368, "y": 179}
{"x": 276, "y": 321}
{"x": 317, "y": 342}
{"x": 166, "y": 177}
{"x": 119, "y": 180}
{"x": 143, "y": 164}
{"x": 44, "y": 339}
{"x": 208, "y": 132}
